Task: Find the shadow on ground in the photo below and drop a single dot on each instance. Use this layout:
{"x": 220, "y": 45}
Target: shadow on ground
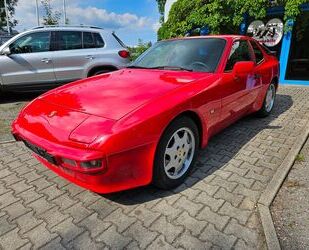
{"x": 220, "y": 150}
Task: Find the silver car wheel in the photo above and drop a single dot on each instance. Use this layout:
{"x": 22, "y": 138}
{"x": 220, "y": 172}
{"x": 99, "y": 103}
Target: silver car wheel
{"x": 270, "y": 98}
{"x": 179, "y": 153}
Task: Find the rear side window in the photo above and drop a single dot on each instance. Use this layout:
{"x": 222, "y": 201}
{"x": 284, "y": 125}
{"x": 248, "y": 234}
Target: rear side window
{"x": 240, "y": 52}
{"x": 88, "y": 40}
{"x": 98, "y": 40}
{"x": 259, "y": 57}
{"x": 69, "y": 40}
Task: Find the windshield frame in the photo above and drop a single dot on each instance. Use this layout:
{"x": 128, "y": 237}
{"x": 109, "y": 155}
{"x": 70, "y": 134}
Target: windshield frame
{"x": 182, "y": 39}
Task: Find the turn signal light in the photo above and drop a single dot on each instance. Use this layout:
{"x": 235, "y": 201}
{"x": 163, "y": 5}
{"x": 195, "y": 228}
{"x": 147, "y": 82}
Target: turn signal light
{"x": 83, "y": 166}
{"x": 124, "y": 53}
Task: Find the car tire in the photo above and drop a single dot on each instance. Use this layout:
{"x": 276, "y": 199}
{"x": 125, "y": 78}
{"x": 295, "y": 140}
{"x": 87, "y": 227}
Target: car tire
{"x": 269, "y": 101}
{"x": 100, "y": 72}
{"x": 176, "y": 153}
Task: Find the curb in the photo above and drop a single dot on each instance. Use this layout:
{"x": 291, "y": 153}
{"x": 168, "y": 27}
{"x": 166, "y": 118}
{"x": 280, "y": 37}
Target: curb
{"x": 273, "y": 187}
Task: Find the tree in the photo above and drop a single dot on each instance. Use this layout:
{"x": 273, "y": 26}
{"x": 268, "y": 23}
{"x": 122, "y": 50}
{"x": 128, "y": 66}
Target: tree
{"x": 139, "y": 49}
{"x": 220, "y": 16}
{"x": 11, "y": 4}
{"x": 50, "y": 17}
{"x": 161, "y": 6}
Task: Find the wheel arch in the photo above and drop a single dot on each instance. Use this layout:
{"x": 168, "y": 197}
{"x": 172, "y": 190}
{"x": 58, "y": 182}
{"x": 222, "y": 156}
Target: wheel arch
{"x": 275, "y": 80}
{"x": 101, "y": 67}
{"x": 195, "y": 118}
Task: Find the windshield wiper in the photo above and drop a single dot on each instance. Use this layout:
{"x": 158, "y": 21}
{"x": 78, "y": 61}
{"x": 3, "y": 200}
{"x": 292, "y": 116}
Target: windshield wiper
{"x": 172, "y": 68}
{"x": 136, "y": 67}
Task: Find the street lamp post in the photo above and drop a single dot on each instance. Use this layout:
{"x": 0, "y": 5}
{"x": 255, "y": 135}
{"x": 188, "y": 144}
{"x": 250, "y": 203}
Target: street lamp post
{"x": 64, "y": 13}
{"x": 37, "y": 12}
{"x": 7, "y": 17}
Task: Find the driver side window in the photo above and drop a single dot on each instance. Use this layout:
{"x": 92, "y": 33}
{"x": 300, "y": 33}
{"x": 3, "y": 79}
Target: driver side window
{"x": 31, "y": 43}
{"x": 240, "y": 52}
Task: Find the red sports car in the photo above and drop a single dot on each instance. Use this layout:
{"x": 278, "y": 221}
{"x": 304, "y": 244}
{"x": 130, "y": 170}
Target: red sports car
{"x": 145, "y": 123}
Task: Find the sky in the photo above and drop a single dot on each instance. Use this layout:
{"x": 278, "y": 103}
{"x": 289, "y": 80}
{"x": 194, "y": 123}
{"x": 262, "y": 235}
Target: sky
{"x": 130, "y": 19}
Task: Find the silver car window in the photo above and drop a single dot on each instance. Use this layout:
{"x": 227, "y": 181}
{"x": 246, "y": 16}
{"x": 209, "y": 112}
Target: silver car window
{"x": 31, "y": 43}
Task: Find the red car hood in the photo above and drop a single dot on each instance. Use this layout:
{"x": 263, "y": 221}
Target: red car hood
{"x": 116, "y": 94}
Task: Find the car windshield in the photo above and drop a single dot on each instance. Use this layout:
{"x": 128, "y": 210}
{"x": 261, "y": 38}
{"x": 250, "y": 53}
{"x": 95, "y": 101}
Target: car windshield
{"x": 199, "y": 55}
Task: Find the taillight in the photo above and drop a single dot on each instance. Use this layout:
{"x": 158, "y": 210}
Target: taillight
{"x": 83, "y": 166}
{"x": 124, "y": 53}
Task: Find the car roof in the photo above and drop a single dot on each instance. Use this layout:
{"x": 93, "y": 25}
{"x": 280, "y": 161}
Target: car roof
{"x": 69, "y": 28}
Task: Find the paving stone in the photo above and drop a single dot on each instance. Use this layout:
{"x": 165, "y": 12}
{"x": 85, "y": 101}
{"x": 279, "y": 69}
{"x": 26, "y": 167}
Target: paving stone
{"x": 53, "y": 217}
{"x": 164, "y": 208}
{"x": 166, "y": 228}
{"x": 145, "y": 215}
{"x": 7, "y": 199}
{"x": 187, "y": 205}
{"x": 54, "y": 244}
{"x": 84, "y": 241}
{"x": 52, "y": 192}
{"x": 242, "y": 180}
{"x": 218, "y": 238}
{"x": 41, "y": 205}
{"x": 190, "y": 223}
{"x": 12, "y": 240}
{"x": 64, "y": 201}
{"x": 94, "y": 225}
{"x": 234, "y": 199}
{"x": 186, "y": 241}
{"x": 141, "y": 234}
{"x": 209, "y": 201}
{"x": 248, "y": 235}
{"x": 218, "y": 220}
{"x": 40, "y": 236}
{"x": 67, "y": 230}
{"x": 29, "y": 196}
{"x": 113, "y": 239}
{"x": 120, "y": 220}
{"x": 5, "y": 226}
{"x": 15, "y": 210}
{"x": 27, "y": 222}
{"x": 78, "y": 212}
{"x": 218, "y": 181}
{"x": 241, "y": 215}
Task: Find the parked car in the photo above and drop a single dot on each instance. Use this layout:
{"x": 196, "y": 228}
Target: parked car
{"x": 146, "y": 123}
{"x": 45, "y": 57}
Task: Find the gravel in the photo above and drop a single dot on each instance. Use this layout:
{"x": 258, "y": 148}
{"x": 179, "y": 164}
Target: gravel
{"x": 290, "y": 209}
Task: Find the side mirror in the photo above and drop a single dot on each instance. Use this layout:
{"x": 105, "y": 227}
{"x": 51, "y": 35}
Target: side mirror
{"x": 242, "y": 68}
{"x": 6, "y": 51}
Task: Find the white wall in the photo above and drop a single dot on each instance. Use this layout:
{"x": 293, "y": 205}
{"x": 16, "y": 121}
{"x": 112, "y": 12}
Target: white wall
{"x": 167, "y": 8}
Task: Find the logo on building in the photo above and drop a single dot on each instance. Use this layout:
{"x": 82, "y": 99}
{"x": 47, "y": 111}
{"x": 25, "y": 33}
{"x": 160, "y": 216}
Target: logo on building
{"x": 270, "y": 34}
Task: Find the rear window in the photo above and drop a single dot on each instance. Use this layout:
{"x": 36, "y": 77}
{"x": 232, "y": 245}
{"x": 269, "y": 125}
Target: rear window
{"x": 119, "y": 40}
{"x": 98, "y": 40}
{"x": 88, "y": 40}
{"x": 69, "y": 40}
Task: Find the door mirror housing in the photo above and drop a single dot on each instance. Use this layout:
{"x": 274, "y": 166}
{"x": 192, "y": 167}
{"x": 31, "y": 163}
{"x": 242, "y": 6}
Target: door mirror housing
{"x": 243, "y": 68}
{"x": 6, "y": 51}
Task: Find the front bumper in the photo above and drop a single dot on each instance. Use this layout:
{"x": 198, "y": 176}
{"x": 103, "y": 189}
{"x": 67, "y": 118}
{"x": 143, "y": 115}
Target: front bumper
{"x": 121, "y": 171}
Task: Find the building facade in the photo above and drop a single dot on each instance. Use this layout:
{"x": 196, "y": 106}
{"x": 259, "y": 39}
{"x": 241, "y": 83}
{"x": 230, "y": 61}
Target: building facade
{"x": 292, "y": 46}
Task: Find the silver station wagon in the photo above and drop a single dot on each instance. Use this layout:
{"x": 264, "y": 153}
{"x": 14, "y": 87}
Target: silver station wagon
{"x": 45, "y": 57}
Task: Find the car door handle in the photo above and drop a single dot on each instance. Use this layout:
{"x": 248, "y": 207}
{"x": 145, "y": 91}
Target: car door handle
{"x": 90, "y": 57}
{"x": 46, "y": 60}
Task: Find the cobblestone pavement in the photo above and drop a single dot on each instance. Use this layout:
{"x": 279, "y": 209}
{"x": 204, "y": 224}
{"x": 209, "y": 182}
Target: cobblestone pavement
{"x": 215, "y": 208}
{"x": 290, "y": 208}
